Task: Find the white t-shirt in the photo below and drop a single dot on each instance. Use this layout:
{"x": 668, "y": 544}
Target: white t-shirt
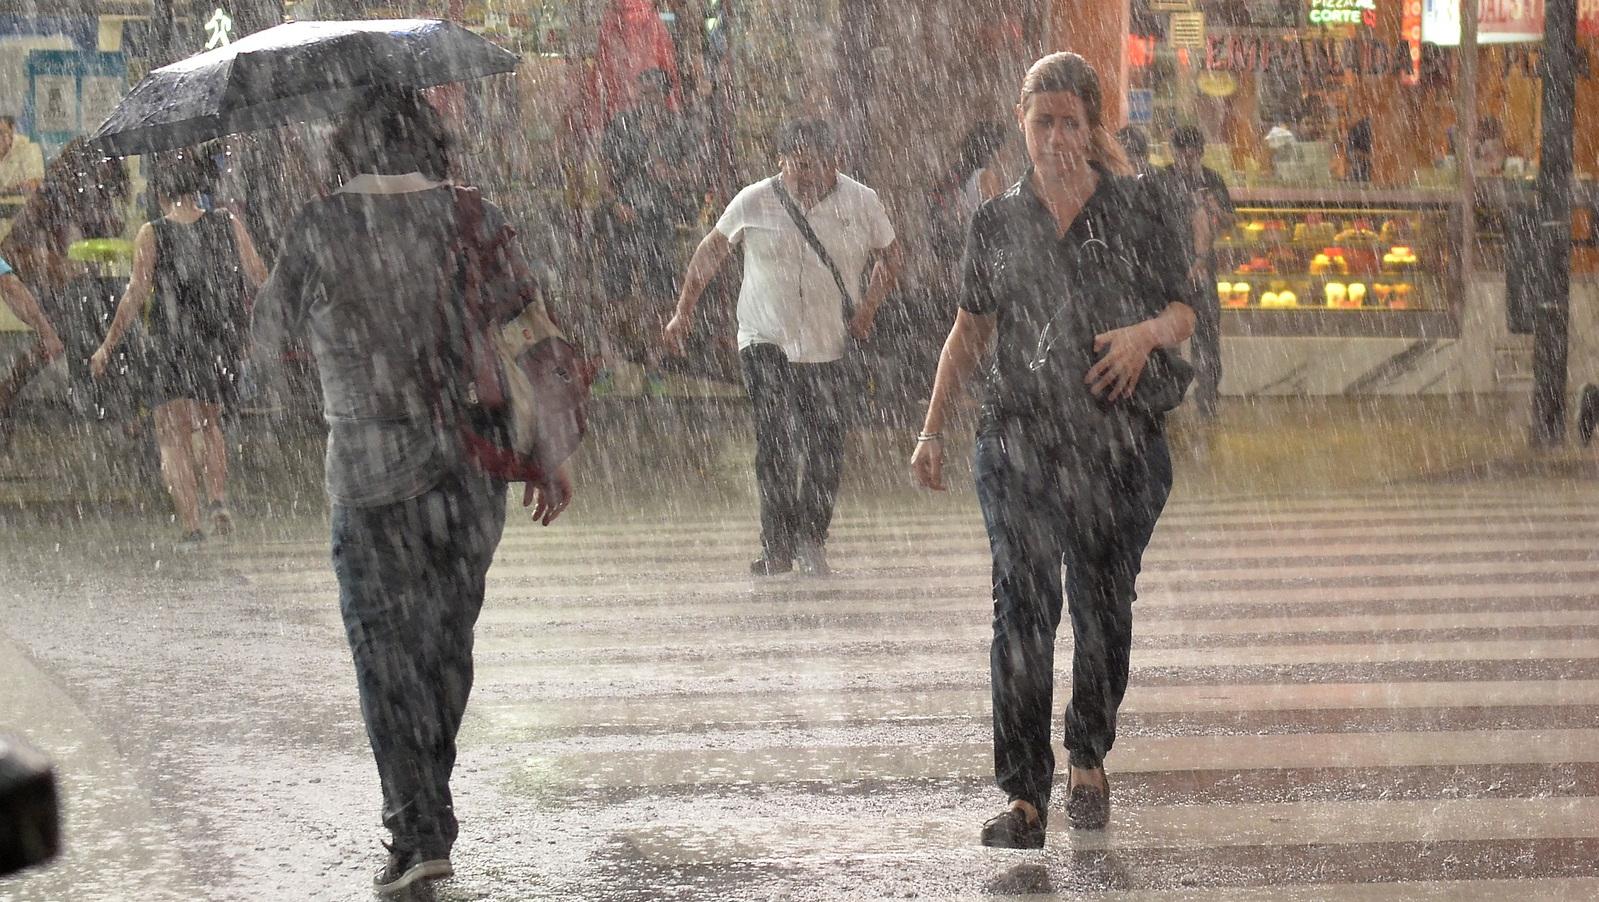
{"x": 789, "y": 298}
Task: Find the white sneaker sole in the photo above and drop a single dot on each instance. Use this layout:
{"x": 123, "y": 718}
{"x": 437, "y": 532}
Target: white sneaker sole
{"x": 435, "y": 869}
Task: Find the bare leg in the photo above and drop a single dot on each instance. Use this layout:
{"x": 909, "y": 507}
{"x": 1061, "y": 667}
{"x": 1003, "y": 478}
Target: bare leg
{"x": 214, "y": 465}
{"x": 174, "y": 424}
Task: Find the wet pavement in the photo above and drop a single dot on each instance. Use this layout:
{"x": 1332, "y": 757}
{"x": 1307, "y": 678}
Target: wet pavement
{"x": 1340, "y": 692}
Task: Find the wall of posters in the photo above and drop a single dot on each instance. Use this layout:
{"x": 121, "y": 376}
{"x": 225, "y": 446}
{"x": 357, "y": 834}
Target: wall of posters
{"x": 70, "y": 93}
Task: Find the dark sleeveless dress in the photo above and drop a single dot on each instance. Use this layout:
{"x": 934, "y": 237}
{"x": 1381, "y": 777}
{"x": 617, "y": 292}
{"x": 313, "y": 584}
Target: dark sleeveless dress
{"x": 197, "y": 320}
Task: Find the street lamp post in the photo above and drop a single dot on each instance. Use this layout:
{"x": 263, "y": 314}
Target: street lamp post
{"x": 1552, "y": 268}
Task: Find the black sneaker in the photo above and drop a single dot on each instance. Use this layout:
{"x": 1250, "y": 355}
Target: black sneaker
{"x": 407, "y": 869}
{"x": 812, "y": 560}
{"x": 1587, "y": 413}
{"x": 1088, "y": 807}
{"x": 770, "y": 566}
{"x": 1010, "y": 829}
{"x": 191, "y": 542}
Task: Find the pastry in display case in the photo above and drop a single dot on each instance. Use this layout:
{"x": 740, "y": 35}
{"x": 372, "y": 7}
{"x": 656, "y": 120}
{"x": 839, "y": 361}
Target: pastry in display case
{"x": 1335, "y": 259}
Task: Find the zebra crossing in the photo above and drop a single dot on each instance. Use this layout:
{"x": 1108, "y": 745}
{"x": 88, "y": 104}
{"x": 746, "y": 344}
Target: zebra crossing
{"x": 1358, "y": 697}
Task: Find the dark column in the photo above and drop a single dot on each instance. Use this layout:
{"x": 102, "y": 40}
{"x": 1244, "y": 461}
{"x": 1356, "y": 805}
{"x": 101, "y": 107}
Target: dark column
{"x": 1553, "y": 222}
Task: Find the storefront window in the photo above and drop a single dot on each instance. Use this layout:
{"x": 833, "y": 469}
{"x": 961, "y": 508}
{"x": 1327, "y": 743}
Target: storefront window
{"x": 1332, "y": 122}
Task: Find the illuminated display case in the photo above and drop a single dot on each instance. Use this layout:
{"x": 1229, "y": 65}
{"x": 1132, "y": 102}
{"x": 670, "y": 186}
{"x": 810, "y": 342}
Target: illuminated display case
{"x": 1340, "y": 263}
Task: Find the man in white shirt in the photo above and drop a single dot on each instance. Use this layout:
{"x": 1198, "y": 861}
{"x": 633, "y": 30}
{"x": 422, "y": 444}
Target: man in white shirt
{"x": 795, "y": 328}
{"x": 21, "y": 160}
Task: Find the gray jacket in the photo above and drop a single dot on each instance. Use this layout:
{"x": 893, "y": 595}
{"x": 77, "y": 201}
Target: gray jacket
{"x": 364, "y": 270}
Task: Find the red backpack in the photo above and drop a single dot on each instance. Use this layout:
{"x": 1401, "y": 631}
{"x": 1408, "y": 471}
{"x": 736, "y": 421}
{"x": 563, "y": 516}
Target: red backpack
{"x": 525, "y": 388}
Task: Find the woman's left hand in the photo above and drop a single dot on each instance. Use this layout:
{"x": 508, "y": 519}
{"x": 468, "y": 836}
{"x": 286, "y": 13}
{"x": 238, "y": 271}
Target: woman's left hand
{"x": 1123, "y": 353}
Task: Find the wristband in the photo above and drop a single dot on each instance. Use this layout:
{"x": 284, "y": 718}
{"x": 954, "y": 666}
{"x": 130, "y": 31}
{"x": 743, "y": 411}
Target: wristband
{"x": 929, "y": 437}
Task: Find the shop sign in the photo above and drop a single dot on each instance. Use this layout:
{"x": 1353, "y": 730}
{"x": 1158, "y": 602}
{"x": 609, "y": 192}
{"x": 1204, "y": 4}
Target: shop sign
{"x": 1186, "y": 30}
{"x": 1356, "y": 56}
{"x": 1499, "y": 21}
{"x": 1140, "y": 106}
{"x": 1410, "y": 30}
{"x": 1343, "y": 12}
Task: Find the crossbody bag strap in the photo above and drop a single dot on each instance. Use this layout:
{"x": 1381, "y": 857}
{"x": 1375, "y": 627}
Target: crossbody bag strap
{"x": 809, "y": 234}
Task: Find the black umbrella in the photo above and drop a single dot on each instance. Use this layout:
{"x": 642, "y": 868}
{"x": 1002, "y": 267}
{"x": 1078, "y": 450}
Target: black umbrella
{"x": 297, "y": 72}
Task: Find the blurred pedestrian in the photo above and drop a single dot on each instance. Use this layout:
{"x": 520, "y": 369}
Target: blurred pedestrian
{"x": 1357, "y": 151}
{"x": 808, "y": 234}
{"x": 365, "y": 271}
{"x": 1196, "y": 196}
{"x": 650, "y": 194}
{"x": 15, "y": 295}
{"x": 25, "y": 306}
{"x": 1489, "y": 148}
{"x": 82, "y": 197}
{"x": 21, "y": 160}
{"x": 1071, "y": 277}
{"x": 970, "y": 183}
{"x": 1135, "y": 145}
{"x": 192, "y": 270}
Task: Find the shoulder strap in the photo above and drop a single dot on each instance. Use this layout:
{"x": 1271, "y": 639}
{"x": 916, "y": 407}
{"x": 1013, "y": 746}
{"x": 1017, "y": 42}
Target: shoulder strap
{"x": 809, "y": 234}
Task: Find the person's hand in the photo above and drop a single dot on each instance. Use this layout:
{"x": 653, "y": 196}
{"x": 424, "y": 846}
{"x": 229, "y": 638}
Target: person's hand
{"x": 860, "y": 325}
{"x": 927, "y": 464}
{"x": 677, "y": 329}
{"x": 549, "y": 497}
{"x": 53, "y": 348}
{"x": 1125, "y": 351}
{"x": 99, "y": 362}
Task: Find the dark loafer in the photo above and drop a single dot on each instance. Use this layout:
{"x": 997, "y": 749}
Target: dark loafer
{"x": 1087, "y": 807}
{"x": 1010, "y": 829}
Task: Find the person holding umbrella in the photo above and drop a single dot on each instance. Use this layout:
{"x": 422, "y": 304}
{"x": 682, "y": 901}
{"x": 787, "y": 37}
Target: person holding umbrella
{"x": 366, "y": 272}
{"x": 415, "y": 524}
{"x": 1071, "y": 276}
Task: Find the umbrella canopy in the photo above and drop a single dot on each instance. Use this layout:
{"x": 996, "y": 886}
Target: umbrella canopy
{"x": 297, "y": 72}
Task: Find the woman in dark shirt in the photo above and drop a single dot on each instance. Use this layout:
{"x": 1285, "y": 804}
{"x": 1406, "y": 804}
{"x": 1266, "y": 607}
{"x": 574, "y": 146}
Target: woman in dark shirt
{"x": 192, "y": 269}
{"x": 1075, "y": 280}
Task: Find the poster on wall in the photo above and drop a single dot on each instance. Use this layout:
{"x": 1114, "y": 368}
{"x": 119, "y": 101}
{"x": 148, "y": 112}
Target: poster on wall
{"x": 70, "y": 93}
{"x": 55, "y": 103}
{"x": 104, "y": 80}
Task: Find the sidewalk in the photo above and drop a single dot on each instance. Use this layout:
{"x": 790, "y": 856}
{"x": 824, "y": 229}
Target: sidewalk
{"x": 697, "y": 446}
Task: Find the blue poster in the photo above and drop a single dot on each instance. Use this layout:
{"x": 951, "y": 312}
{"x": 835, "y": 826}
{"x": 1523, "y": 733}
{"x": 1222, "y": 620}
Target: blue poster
{"x": 70, "y": 94}
{"x": 1140, "y": 106}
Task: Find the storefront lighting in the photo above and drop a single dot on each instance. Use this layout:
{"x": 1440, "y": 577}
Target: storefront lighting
{"x": 1342, "y": 12}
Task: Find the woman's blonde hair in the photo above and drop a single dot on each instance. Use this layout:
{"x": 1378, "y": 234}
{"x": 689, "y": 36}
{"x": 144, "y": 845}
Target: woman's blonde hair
{"x": 1071, "y": 73}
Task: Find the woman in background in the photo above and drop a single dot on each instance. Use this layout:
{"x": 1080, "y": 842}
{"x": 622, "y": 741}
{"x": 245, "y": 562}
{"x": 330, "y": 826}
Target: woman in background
{"x": 194, "y": 265}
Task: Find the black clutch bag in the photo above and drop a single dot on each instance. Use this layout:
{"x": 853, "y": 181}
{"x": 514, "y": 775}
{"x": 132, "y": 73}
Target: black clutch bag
{"x": 1164, "y": 382}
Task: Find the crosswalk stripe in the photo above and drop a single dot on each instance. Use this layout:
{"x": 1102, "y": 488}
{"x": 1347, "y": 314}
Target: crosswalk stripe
{"x": 1411, "y": 675}
{"x": 778, "y": 708}
{"x": 498, "y": 630}
{"x": 709, "y": 766}
{"x": 1292, "y": 824}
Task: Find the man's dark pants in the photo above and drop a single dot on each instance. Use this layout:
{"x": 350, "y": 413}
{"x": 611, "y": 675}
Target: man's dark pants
{"x": 411, "y": 582}
{"x": 1205, "y": 346}
{"x": 799, "y": 445}
{"x": 1040, "y": 517}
